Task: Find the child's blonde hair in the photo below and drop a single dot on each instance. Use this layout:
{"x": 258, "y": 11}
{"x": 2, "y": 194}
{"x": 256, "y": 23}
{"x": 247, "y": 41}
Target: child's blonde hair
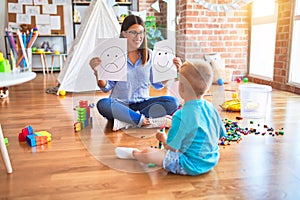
{"x": 198, "y": 74}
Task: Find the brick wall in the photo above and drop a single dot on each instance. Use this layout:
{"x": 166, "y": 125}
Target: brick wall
{"x": 201, "y": 32}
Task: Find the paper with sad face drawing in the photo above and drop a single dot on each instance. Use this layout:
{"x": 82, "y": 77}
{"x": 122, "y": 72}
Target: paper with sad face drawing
{"x": 113, "y": 55}
{"x": 162, "y": 61}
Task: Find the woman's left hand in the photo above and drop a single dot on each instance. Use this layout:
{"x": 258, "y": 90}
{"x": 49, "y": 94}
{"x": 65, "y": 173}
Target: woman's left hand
{"x": 177, "y": 61}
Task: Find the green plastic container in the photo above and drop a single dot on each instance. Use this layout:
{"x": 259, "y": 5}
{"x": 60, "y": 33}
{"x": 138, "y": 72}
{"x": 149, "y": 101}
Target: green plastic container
{"x": 5, "y": 66}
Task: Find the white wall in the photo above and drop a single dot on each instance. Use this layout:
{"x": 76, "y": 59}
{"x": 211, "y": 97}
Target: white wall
{"x": 67, "y": 22}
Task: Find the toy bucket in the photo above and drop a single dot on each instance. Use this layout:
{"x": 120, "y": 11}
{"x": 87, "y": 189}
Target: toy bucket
{"x": 255, "y": 100}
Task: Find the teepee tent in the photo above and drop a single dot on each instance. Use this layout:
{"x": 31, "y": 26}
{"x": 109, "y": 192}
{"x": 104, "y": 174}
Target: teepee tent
{"x": 100, "y": 22}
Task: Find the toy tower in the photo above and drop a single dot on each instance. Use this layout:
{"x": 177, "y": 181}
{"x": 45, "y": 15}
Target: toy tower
{"x": 83, "y": 115}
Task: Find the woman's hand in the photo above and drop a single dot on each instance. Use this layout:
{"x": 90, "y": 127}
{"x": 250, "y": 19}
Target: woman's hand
{"x": 178, "y": 63}
{"x": 94, "y": 63}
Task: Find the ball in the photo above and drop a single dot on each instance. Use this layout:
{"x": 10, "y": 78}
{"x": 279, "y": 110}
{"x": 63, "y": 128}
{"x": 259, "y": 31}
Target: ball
{"x": 245, "y": 80}
{"x": 62, "y": 92}
{"x": 238, "y": 80}
{"x": 220, "y": 81}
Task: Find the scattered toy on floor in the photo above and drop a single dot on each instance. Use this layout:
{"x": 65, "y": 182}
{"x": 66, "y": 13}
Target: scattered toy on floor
{"x": 62, "y": 92}
{"x": 235, "y": 132}
{"x": 220, "y": 81}
{"x": 232, "y": 105}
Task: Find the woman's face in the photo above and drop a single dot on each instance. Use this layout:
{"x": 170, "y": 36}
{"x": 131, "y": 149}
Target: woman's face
{"x": 135, "y": 36}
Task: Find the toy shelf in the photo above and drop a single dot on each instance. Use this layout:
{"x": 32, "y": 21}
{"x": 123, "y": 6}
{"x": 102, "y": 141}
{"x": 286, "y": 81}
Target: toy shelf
{"x": 79, "y": 9}
{"x": 78, "y": 13}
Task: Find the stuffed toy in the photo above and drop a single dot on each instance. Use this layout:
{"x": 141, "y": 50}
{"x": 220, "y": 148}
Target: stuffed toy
{"x": 3, "y": 92}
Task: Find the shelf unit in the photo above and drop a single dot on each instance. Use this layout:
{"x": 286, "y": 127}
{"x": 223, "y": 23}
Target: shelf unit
{"x": 121, "y": 7}
{"x": 60, "y": 42}
{"x": 118, "y": 7}
{"x": 80, "y": 7}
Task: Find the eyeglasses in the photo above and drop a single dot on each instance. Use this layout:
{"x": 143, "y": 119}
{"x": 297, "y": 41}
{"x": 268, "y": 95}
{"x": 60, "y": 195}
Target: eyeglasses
{"x": 135, "y": 33}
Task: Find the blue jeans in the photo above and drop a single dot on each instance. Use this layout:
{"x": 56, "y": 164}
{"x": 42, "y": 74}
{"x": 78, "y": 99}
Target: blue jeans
{"x": 151, "y": 108}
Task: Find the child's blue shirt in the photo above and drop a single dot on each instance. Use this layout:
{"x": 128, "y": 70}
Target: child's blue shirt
{"x": 195, "y": 132}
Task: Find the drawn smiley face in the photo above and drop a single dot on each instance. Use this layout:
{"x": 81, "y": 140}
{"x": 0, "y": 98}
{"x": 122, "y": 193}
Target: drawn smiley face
{"x": 113, "y": 59}
{"x": 163, "y": 59}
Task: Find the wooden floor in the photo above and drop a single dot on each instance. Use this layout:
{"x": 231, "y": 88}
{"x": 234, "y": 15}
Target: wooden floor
{"x": 83, "y": 165}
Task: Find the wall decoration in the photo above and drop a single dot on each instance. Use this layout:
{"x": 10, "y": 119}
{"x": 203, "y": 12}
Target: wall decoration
{"x": 36, "y": 13}
{"x": 216, "y": 7}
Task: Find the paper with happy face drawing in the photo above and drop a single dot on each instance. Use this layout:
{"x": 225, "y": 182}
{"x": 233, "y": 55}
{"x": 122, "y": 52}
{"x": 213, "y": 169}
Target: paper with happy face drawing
{"x": 162, "y": 61}
{"x": 113, "y": 55}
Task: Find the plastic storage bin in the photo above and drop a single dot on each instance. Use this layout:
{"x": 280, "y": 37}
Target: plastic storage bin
{"x": 255, "y": 100}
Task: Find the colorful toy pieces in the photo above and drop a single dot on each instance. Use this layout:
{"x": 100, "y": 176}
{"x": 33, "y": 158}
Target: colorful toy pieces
{"x": 34, "y": 138}
{"x": 83, "y": 115}
{"x": 235, "y": 132}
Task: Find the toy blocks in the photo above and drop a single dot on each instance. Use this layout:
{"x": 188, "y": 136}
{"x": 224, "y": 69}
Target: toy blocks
{"x": 38, "y": 138}
{"x": 28, "y": 130}
{"x": 34, "y": 138}
{"x": 44, "y": 133}
{"x": 235, "y": 132}
{"x": 83, "y": 116}
{"x": 77, "y": 126}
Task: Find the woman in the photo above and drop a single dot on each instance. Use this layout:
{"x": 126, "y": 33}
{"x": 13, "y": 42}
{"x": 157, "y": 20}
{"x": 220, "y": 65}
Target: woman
{"x": 129, "y": 103}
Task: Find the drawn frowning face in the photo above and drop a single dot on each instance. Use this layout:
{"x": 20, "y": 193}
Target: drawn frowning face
{"x": 163, "y": 59}
{"x": 113, "y": 59}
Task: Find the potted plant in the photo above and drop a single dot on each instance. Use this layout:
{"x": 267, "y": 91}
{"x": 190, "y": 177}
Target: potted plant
{"x": 153, "y": 32}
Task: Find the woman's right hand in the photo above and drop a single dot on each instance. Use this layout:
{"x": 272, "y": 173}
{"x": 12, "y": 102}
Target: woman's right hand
{"x": 94, "y": 63}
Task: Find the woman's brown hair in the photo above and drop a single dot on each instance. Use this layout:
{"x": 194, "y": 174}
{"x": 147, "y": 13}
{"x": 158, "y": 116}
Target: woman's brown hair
{"x": 129, "y": 21}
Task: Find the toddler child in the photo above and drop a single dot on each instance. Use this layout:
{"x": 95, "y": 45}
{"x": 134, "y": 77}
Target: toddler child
{"x": 191, "y": 146}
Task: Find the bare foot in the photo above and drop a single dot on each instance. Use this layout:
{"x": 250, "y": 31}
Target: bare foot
{"x": 146, "y": 122}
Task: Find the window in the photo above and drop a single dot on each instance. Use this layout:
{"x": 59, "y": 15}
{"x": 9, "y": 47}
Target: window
{"x": 295, "y": 50}
{"x": 263, "y": 36}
